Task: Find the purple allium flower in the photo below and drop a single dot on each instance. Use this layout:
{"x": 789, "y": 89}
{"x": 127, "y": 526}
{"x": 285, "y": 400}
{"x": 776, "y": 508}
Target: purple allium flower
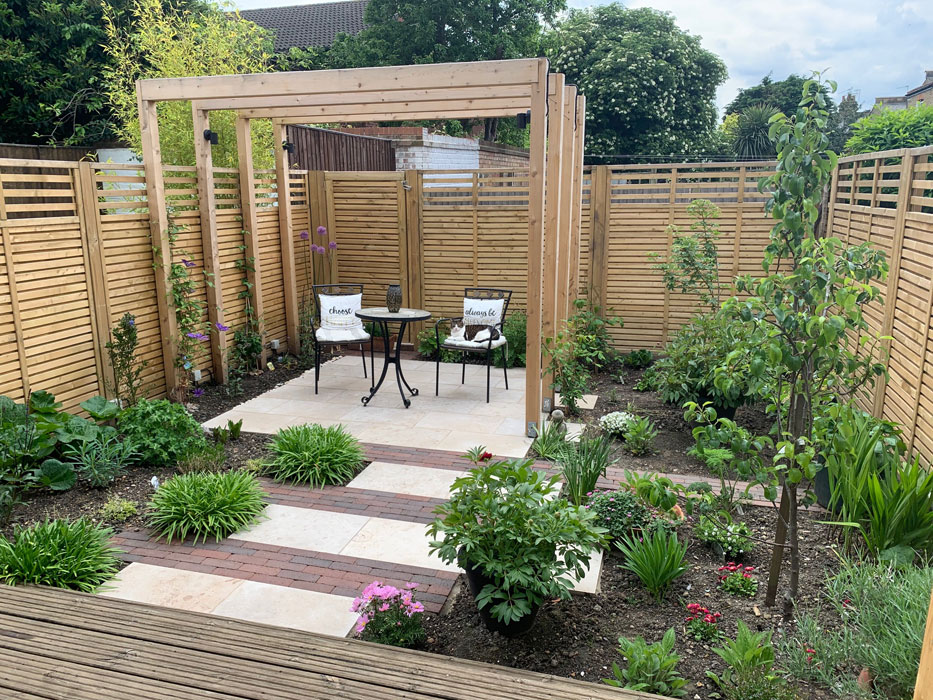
{"x": 332, "y": 245}
{"x": 221, "y": 327}
{"x": 187, "y": 263}
{"x": 304, "y": 235}
{"x": 197, "y": 335}
{"x": 321, "y": 231}
{"x": 198, "y": 392}
{"x": 320, "y": 249}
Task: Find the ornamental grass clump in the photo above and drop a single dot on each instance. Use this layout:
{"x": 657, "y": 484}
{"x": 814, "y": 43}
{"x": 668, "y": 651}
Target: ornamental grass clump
{"x": 503, "y": 521}
{"x": 389, "y": 615}
{"x": 205, "y": 504}
{"x": 314, "y": 455}
{"x": 73, "y": 554}
{"x": 657, "y": 558}
{"x": 581, "y": 466}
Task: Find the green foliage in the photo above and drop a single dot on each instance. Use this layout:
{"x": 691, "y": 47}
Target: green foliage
{"x": 615, "y": 424}
{"x": 127, "y": 370}
{"x": 739, "y": 580}
{"x": 650, "y": 86}
{"x": 163, "y": 431}
{"x": 205, "y": 504}
{"x": 639, "y": 436}
{"x": 653, "y": 489}
{"x": 650, "y": 668}
{"x": 638, "y": 359}
{"x": 504, "y": 519}
{"x": 100, "y": 409}
{"x": 621, "y": 512}
{"x": 153, "y": 39}
{"x": 427, "y": 346}
{"x": 783, "y": 95}
{"x": 118, "y": 510}
{"x": 693, "y": 266}
{"x": 751, "y": 140}
{"x": 515, "y": 329}
{"x": 222, "y": 435}
{"x": 692, "y": 367}
{"x": 882, "y": 612}
{"x": 657, "y": 558}
{"x": 749, "y": 662}
{"x": 210, "y": 458}
{"x": 101, "y": 458}
{"x": 582, "y": 464}
{"x": 890, "y": 129}
{"x": 314, "y": 455}
{"x": 551, "y": 442}
{"x": 731, "y": 536}
{"x": 60, "y": 553}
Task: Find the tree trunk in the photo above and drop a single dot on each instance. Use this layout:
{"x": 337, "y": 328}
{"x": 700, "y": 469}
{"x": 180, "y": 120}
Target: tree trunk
{"x": 491, "y": 129}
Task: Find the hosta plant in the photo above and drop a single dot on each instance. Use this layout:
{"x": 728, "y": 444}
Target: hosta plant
{"x": 205, "y": 505}
{"x": 61, "y": 553}
{"x": 314, "y": 455}
{"x": 650, "y": 668}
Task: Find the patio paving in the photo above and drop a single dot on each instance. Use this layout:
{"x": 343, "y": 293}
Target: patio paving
{"x": 456, "y": 420}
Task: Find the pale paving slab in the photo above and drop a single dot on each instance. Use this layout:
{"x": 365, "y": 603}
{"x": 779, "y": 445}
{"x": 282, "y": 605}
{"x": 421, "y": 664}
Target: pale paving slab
{"x": 406, "y": 479}
{"x": 303, "y": 528}
{"x": 587, "y": 402}
{"x": 590, "y": 582}
{"x": 171, "y": 588}
{"x": 395, "y": 541}
{"x": 574, "y": 431}
{"x": 324, "y": 613}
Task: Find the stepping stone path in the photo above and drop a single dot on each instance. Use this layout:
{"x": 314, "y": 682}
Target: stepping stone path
{"x": 315, "y": 550}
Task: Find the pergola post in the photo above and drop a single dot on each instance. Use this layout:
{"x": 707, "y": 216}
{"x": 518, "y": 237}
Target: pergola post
{"x": 568, "y": 161}
{"x": 244, "y": 143}
{"x": 577, "y": 206}
{"x": 555, "y": 141}
{"x": 286, "y": 238}
{"x": 204, "y": 170}
{"x": 536, "y": 187}
{"x": 159, "y": 233}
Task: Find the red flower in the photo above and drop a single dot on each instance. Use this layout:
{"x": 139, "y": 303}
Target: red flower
{"x": 485, "y": 457}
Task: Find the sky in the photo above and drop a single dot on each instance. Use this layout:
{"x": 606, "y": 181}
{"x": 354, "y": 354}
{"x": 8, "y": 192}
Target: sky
{"x": 872, "y": 48}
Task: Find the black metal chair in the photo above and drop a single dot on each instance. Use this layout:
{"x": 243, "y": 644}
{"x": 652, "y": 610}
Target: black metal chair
{"x": 484, "y": 346}
{"x": 350, "y": 334}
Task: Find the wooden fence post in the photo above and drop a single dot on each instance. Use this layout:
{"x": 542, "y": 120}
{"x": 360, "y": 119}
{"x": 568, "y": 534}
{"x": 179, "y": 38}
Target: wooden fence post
{"x": 739, "y": 211}
{"x": 204, "y": 172}
{"x": 897, "y": 248}
{"x": 414, "y": 180}
{"x": 565, "y": 222}
{"x": 600, "y": 204}
{"x": 924, "y": 688}
{"x": 89, "y": 215}
{"x": 6, "y": 239}
{"x": 671, "y": 202}
{"x": 250, "y": 223}
{"x": 577, "y": 207}
{"x": 286, "y": 238}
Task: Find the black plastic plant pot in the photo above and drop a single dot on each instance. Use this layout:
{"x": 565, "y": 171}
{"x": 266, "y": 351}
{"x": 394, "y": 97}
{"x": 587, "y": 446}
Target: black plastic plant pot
{"x": 477, "y": 580}
{"x": 821, "y": 487}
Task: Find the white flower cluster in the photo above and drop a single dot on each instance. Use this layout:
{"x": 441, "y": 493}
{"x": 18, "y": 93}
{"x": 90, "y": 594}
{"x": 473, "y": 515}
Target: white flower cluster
{"x": 616, "y": 423}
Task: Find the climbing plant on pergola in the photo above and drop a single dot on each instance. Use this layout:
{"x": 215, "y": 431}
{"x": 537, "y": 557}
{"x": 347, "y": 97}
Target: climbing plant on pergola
{"x": 439, "y": 91}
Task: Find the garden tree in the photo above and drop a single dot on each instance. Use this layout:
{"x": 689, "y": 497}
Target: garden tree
{"x": 783, "y": 95}
{"x": 750, "y": 139}
{"x": 168, "y": 42}
{"x": 847, "y": 114}
{"x": 806, "y": 311}
{"x": 890, "y": 129}
{"x": 650, "y": 86}
{"x": 52, "y": 58}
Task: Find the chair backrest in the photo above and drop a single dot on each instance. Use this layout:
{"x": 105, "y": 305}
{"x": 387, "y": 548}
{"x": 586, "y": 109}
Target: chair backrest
{"x": 334, "y": 290}
{"x": 488, "y": 294}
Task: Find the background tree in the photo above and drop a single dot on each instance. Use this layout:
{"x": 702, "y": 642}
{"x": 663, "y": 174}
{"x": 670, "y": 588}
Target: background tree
{"x": 889, "y": 129}
{"x": 152, "y": 41}
{"x": 750, "y": 140}
{"x": 650, "y": 86}
{"x": 784, "y": 95}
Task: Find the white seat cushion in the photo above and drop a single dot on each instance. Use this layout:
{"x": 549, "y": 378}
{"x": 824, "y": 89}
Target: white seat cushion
{"x": 342, "y": 335}
{"x": 461, "y": 344}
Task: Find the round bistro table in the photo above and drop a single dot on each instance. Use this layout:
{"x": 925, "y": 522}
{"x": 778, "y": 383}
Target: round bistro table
{"x": 383, "y": 317}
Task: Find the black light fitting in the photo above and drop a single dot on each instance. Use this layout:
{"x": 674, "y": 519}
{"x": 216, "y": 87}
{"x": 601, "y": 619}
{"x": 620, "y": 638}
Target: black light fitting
{"x": 288, "y": 147}
{"x": 210, "y": 136}
{"x": 523, "y": 119}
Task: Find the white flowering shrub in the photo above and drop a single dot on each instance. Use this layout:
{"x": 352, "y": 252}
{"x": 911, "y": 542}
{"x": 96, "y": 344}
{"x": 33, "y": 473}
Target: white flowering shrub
{"x": 616, "y": 423}
{"x": 650, "y": 87}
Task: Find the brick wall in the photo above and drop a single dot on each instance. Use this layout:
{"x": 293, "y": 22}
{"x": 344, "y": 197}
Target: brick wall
{"x": 497, "y": 155}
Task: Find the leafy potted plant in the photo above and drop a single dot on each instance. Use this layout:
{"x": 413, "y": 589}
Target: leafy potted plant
{"x": 379, "y": 340}
{"x": 516, "y": 541}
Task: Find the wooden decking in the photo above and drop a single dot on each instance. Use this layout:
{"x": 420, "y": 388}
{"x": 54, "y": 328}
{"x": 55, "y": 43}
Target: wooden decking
{"x": 61, "y": 645}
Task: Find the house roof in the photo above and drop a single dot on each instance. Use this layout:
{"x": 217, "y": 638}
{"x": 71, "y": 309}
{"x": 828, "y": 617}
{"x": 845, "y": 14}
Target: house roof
{"x": 927, "y": 84}
{"x": 309, "y": 25}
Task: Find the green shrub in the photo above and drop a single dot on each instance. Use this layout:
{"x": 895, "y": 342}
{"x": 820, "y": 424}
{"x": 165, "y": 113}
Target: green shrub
{"x": 638, "y": 359}
{"x": 657, "y": 558}
{"x": 61, "y": 553}
{"x": 314, "y": 455}
{"x": 891, "y": 129}
{"x": 621, "y": 512}
{"x": 102, "y": 458}
{"x": 650, "y": 668}
{"x": 515, "y": 330}
{"x": 164, "y": 431}
{"x": 502, "y": 520}
{"x": 731, "y": 536}
{"x": 639, "y": 436}
{"x": 204, "y": 505}
{"x": 210, "y": 458}
{"x": 581, "y": 466}
{"x": 427, "y": 346}
{"x": 551, "y": 442}
{"x": 882, "y": 611}
{"x": 118, "y": 510}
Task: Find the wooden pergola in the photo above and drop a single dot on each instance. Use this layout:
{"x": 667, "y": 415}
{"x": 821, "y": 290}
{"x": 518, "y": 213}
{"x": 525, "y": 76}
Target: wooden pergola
{"x": 439, "y": 91}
